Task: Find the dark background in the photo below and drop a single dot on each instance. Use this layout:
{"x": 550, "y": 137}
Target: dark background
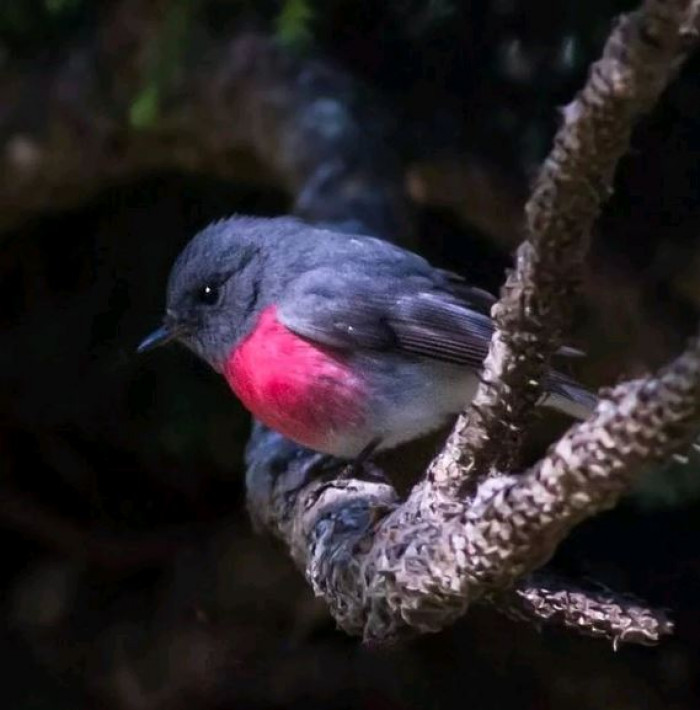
{"x": 131, "y": 577}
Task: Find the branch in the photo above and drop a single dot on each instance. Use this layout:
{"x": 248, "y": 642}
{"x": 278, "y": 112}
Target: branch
{"x": 635, "y": 425}
{"x": 544, "y": 598}
{"x": 387, "y": 568}
{"x": 641, "y": 56}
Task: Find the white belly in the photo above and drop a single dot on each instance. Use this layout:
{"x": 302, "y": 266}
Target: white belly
{"x": 422, "y": 400}
{"x": 409, "y": 399}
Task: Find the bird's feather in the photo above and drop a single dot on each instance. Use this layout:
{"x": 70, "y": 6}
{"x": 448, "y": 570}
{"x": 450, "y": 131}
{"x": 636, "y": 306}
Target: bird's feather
{"x": 433, "y": 315}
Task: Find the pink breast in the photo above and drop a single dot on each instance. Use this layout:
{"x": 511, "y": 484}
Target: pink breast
{"x": 302, "y": 390}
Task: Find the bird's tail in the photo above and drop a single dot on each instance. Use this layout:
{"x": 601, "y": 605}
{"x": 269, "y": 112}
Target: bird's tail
{"x": 569, "y": 397}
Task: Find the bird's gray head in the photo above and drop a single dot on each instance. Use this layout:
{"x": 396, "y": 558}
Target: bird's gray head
{"x": 215, "y": 288}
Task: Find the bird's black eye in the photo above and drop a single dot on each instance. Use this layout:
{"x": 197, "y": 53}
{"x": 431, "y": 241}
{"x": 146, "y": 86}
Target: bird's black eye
{"x": 208, "y": 294}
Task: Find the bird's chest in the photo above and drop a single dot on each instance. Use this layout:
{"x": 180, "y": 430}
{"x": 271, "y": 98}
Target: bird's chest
{"x": 304, "y": 391}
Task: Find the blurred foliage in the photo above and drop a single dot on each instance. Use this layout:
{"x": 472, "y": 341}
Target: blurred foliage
{"x": 513, "y": 60}
{"x": 56, "y": 7}
{"x": 26, "y": 25}
{"x": 144, "y": 109}
{"x": 423, "y": 16}
{"x": 165, "y": 55}
{"x": 293, "y": 24}
{"x": 675, "y": 485}
{"x": 490, "y": 54}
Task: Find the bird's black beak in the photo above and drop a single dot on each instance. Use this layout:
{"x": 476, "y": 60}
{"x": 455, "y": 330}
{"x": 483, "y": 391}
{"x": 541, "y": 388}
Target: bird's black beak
{"x": 160, "y": 336}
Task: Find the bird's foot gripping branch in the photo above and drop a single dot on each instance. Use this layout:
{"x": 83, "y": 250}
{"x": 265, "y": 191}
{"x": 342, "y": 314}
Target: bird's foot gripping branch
{"x": 475, "y": 529}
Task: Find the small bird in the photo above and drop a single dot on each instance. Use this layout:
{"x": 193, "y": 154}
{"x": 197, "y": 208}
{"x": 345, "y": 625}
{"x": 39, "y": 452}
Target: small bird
{"x": 345, "y": 344}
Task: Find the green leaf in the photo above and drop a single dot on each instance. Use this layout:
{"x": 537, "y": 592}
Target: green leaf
{"x": 144, "y": 110}
{"x": 293, "y": 24}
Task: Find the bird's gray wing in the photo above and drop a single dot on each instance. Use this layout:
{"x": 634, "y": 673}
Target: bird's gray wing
{"x": 481, "y": 301}
{"x": 411, "y": 314}
{"x": 417, "y": 314}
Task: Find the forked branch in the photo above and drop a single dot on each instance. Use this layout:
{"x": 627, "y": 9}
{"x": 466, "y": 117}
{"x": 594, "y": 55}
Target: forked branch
{"x": 641, "y": 56}
{"x": 387, "y": 568}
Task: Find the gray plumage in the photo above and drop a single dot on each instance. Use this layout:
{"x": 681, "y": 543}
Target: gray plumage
{"x": 418, "y": 333}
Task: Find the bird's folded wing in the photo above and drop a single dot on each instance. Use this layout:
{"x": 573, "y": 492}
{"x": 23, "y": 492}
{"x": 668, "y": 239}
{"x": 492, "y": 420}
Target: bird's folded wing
{"x": 410, "y": 315}
{"x": 416, "y": 315}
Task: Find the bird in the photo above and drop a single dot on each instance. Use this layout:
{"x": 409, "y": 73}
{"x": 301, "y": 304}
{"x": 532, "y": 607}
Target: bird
{"x": 344, "y": 343}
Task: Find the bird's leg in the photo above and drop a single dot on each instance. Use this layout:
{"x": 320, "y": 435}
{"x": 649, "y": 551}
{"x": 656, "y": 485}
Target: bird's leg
{"x": 354, "y": 468}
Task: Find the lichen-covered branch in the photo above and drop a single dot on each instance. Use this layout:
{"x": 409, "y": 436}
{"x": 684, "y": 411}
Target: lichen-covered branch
{"x": 635, "y": 425}
{"x": 390, "y": 568}
{"x": 291, "y": 491}
{"x": 546, "y": 599}
{"x": 640, "y": 57}
{"x": 387, "y": 569}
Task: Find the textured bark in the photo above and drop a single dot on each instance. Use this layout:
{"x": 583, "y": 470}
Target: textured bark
{"x": 545, "y": 599}
{"x": 389, "y": 568}
{"x": 537, "y": 300}
{"x": 635, "y": 425}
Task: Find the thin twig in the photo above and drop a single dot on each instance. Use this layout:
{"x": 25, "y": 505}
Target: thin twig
{"x": 547, "y": 599}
